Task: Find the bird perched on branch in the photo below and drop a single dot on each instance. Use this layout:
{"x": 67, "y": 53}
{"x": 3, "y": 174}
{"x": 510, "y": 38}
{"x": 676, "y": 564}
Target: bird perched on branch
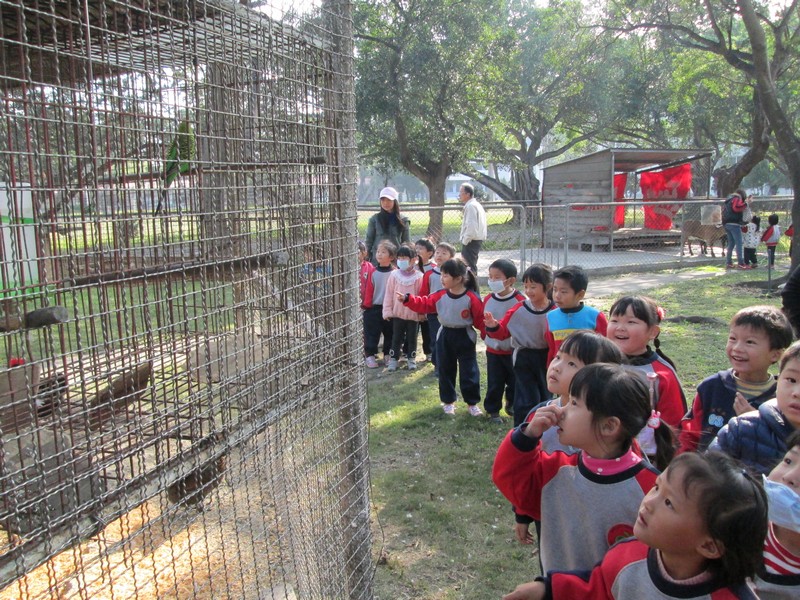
{"x": 182, "y": 152}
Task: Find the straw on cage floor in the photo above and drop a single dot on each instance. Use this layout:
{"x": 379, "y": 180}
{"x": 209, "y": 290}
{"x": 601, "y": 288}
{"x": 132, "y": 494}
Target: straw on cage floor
{"x": 161, "y": 551}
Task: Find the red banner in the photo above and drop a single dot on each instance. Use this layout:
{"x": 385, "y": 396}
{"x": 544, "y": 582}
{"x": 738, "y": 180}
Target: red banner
{"x": 620, "y": 181}
{"x": 674, "y": 182}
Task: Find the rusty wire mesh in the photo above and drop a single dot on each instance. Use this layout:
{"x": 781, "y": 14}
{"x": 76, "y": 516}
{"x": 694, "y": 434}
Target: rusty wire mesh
{"x": 182, "y": 405}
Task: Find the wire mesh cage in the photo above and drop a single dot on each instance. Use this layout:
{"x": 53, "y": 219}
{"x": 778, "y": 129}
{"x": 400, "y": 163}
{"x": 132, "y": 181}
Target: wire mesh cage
{"x": 182, "y": 404}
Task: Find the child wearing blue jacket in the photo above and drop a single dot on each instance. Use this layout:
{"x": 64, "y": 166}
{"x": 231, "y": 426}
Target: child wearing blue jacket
{"x": 758, "y": 438}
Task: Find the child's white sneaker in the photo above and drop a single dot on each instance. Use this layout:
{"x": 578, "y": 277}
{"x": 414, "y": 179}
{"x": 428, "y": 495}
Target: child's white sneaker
{"x": 391, "y": 365}
{"x": 370, "y": 362}
{"x": 475, "y": 410}
{"x": 449, "y": 409}
{"x": 412, "y": 364}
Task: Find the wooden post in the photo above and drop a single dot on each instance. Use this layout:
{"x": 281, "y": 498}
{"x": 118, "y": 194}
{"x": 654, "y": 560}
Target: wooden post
{"x": 353, "y": 448}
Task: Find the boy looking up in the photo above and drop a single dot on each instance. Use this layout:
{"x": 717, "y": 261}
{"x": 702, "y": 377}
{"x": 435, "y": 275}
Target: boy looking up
{"x": 571, "y": 314}
{"x": 758, "y": 438}
{"x": 499, "y": 363}
{"x": 757, "y": 337}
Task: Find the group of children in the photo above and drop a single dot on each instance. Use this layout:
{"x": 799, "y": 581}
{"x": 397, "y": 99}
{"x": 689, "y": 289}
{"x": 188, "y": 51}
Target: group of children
{"x": 702, "y": 526}
{"x": 599, "y": 419}
{"x": 753, "y": 236}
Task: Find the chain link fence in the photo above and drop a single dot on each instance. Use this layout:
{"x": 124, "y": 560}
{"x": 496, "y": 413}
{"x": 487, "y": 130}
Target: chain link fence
{"x": 691, "y": 233}
{"x": 182, "y": 398}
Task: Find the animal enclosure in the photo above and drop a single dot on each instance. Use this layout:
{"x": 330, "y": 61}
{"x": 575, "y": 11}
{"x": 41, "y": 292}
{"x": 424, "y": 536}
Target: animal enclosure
{"x": 182, "y": 402}
{"x": 586, "y": 187}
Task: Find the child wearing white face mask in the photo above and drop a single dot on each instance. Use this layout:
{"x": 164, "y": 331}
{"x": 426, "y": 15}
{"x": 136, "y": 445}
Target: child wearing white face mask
{"x": 406, "y": 279}
{"x": 526, "y": 324}
{"x": 499, "y": 352}
{"x": 779, "y": 576}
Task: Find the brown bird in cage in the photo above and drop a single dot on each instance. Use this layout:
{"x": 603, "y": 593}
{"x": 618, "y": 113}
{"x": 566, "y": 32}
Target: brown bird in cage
{"x": 195, "y": 487}
{"x": 122, "y": 391}
{"x": 51, "y": 393}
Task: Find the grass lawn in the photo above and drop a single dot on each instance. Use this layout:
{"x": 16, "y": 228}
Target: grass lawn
{"x": 441, "y": 529}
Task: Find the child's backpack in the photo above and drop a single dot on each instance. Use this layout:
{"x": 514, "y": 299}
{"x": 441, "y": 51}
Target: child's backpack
{"x": 732, "y": 209}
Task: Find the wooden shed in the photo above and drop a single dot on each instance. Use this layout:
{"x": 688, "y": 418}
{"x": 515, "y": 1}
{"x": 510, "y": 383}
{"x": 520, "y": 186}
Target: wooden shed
{"x": 570, "y": 189}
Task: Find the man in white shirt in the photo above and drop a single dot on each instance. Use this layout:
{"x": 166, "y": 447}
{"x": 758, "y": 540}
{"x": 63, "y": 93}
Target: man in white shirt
{"x": 473, "y": 226}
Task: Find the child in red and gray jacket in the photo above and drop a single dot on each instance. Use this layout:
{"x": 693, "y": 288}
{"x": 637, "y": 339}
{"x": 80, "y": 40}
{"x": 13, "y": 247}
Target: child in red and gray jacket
{"x": 771, "y": 237}
{"x": 372, "y": 303}
{"x": 499, "y": 352}
{"x": 460, "y": 312}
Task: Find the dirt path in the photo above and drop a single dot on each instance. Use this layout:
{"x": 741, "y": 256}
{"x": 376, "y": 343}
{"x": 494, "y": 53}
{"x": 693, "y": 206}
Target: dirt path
{"x": 634, "y": 283}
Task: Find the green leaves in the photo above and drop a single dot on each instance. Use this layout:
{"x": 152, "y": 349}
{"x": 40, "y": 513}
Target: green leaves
{"x": 425, "y": 71}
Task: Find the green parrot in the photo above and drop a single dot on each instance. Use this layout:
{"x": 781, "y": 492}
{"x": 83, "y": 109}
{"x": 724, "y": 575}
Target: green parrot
{"x": 182, "y": 152}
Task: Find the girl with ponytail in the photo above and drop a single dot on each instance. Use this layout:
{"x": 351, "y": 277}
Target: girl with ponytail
{"x": 633, "y": 324}
{"x": 588, "y": 500}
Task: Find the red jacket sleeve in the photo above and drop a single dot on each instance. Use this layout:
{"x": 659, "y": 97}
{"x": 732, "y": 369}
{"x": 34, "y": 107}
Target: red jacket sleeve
{"x": 601, "y": 325}
{"x": 424, "y": 304}
{"x": 521, "y": 470}
{"x": 551, "y": 343}
{"x": 594, "y": 584}
{"x": 691, "y": 427}
{"x": 597, "y": 583}
{"x": 671, "y": 401}
{"x": 425, "y": 286}
{"x": 366, "y": 286}
{"x": 501, "y": 332}
{"x": 476, "y": 308}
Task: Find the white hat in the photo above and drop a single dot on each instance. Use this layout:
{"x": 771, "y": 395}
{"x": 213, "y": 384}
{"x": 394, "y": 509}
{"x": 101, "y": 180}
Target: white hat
{"x": 388, "y": 192}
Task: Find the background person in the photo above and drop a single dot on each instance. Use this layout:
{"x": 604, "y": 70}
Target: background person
{"x": 751, "y": 236}
{"x": 735, "y": 213}
{"x": 771, "y": 237}
{"x": 405, "y": 279}
{"x": 388, "y": 224}
{"x": 473, "y": 227}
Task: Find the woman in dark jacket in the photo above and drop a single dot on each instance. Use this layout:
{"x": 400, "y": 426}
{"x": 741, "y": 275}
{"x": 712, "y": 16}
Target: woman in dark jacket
{"x": 388, "y": 224}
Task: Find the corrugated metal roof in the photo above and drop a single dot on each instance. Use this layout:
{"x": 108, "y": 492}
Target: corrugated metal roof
{"x": 627, "y": 160}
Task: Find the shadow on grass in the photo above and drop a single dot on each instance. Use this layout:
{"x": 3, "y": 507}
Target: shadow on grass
{"x": 443, "y": 529}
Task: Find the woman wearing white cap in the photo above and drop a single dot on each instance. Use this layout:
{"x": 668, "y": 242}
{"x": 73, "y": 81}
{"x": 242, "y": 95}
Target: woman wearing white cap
{"x": 388, "y": 224}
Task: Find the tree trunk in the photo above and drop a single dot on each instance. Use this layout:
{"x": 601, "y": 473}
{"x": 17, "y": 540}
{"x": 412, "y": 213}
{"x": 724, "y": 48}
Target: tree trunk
{"x": 788, "y": 145}
{"x": 433, "y": 174}
{"x": 524, "y": 189}
{"x": 436, "y": 184}
{"x": 795, "y": 247}
{"x": 526, "y": 186}
{"x": 505, "y": 192}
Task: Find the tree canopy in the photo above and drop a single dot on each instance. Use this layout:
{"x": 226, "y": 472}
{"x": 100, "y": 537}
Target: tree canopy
{"x": 760, "y": 40}
{"x": 443, "y": 85}
{"x": 426, "y": 73}
{"x": 567, "y": 84}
